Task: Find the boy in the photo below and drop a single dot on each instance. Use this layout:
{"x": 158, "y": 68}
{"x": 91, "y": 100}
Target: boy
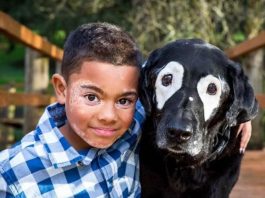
{"x": 86, "y": 145}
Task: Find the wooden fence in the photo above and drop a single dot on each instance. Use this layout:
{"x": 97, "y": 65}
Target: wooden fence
{"x": 20, "y": 33}
{"x": 37, "y": 54}
{"x": 16, "y": 31}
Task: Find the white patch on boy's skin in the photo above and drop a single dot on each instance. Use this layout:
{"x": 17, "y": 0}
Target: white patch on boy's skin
{"x": 163, "y": 93}
{"x": 90, "y": 141}
{"x": 210, "y": 102}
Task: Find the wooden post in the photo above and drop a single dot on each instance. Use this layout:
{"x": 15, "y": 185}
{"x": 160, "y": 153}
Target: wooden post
{"x": 253, "y": 64}
{"x": 58, "y": 66}
{"x": 36, "y": 81}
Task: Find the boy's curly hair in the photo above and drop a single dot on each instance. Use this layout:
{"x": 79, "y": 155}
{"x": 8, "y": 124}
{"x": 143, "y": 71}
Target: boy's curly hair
{"x": 102, "y": 42}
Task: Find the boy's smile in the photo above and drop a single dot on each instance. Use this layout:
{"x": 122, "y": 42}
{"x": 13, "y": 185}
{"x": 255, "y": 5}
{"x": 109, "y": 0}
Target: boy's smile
{"x": 99, "y": 103}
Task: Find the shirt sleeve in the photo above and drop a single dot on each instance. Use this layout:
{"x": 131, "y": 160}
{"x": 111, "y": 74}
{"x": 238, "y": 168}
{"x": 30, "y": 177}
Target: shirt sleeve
{"x": 4, "y": 189}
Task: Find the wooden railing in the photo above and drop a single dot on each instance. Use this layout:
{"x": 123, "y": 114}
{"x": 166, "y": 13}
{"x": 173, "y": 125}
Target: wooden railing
{"x": 247, "y": 46}
{"x": 15, "y": 30}
{"x": 261, "y": 99}
{"x": 22, "y": 34}
{"x": 21, "y": 99}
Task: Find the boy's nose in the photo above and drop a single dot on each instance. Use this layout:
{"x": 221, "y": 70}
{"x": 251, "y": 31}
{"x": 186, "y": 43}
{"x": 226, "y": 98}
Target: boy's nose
{"x": 108, "y": 113}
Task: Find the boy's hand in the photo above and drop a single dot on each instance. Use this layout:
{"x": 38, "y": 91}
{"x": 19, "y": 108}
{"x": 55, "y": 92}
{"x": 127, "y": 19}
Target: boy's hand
{"x": 245, "y": 130}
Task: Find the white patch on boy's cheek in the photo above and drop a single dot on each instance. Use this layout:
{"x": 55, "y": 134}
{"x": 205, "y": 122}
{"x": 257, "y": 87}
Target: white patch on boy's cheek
{"x": 163, "y": 93}
{"x": 88, "y": 139}
{"x": 210, "y": 102}
{"x": 74, "y": 95}
{"x": 76, "y": 92}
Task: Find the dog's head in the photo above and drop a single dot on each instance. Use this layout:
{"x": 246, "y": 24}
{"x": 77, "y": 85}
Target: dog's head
{"x": 193, "y": 91}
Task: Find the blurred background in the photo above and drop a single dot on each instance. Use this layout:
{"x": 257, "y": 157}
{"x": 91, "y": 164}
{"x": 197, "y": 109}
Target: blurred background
{"x": 26, "y": 66}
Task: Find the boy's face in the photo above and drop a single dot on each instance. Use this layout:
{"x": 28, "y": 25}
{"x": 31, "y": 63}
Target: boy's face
{"x": 99, "y": 103}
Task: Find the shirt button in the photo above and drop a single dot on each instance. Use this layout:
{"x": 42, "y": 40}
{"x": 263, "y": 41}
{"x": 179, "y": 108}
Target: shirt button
{"x": 80, "y": 163}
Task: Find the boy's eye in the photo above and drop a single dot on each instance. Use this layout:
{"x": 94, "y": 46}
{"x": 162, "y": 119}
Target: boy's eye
{"x": 92, "y": 99}
{"x": 125, "y": 102}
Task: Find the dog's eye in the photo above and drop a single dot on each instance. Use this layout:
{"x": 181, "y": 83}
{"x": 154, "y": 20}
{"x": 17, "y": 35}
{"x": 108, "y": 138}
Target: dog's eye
{"x": 167, "y": 80}
{"x": 211, "y": 89}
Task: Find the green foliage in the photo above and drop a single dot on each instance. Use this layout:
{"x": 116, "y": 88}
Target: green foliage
{"x": 239, "y": 37}
{"x": 223, "y": 23}
{"x": 59, "y": 36}
{"x": 152, "y": 22}
{"x": 51, "y": 16}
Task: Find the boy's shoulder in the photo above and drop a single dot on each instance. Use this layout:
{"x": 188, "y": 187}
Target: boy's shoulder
{"x": 33, "y": 144}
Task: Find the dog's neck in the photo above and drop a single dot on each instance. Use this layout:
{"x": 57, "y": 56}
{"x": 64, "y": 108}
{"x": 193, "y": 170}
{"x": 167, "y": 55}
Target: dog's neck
{"x": 225, "y": 140}
{"x": 221, "y": 140}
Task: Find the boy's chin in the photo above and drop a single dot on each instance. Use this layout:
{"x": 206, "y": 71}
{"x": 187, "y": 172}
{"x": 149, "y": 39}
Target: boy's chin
{"x": 99, "y": 145}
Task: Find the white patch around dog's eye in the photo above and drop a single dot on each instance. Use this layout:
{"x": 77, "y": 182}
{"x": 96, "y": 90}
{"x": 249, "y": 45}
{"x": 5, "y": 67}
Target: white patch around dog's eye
{"x": 168, "y": 81}
{"x": 209, "y": 89}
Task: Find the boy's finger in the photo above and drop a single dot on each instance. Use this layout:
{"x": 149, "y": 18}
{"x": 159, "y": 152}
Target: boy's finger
{"x": 240, "y": 128}
{"x": 245, "y": 130}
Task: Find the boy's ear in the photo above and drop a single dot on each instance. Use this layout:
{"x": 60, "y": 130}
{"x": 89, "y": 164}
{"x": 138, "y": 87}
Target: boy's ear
{"x": 59, "y": 86}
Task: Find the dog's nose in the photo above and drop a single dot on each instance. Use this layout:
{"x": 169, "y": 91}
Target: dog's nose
{"x": 180, "y": 135}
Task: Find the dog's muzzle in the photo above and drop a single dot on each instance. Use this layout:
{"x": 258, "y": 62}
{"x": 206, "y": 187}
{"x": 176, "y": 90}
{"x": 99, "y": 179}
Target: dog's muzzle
{"x": 175, "y": 129}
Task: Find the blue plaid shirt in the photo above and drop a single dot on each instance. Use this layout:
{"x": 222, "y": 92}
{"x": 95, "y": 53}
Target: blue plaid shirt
{"x": 44, "y": 164}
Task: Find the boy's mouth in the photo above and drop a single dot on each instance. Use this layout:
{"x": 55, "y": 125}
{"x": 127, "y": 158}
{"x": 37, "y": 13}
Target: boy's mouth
{"x": 104, "y": 132}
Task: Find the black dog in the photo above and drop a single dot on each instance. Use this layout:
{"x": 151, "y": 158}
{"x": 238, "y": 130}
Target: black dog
{"x": 195, "y": 98}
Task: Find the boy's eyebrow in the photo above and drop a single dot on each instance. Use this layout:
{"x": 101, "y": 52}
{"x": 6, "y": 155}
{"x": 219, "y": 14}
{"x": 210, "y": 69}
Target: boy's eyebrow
{"x": 95, "y": 88}
{"x": 130, "y": 93}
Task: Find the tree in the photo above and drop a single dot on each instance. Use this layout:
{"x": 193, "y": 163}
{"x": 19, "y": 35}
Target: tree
{"x": 223, "y": 23}
{"x": 54, "y": 19}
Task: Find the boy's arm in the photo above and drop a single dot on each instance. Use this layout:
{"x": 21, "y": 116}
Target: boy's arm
{"x": 245, "y": 132}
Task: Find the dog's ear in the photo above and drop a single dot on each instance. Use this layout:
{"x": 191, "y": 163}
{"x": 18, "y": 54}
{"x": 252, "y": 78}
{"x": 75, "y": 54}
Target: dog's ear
{"x": 245, "y": 105}
{"x": 146, "y": 79}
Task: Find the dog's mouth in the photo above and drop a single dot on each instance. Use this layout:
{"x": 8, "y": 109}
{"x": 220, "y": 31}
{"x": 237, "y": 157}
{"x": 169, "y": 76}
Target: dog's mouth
{"x": 185, "y": 156}
{"x": 184, "y": 159}
{"x": 176, "y": 150}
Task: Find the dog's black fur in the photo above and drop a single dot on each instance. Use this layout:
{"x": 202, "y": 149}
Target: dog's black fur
{"x": 170, "y": 164}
